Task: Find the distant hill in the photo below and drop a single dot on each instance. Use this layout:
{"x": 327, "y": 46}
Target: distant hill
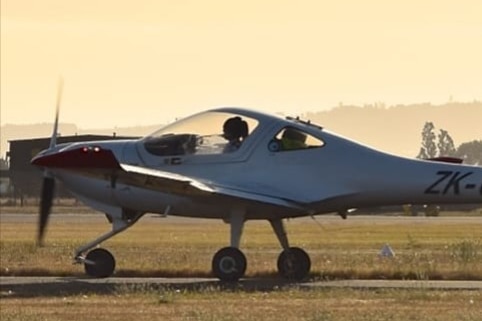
{"x": 395, "y": 129}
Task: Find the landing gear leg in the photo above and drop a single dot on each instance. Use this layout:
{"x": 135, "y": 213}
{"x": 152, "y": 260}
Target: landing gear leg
{"x": 293, "y": 262}
{"x": 229, "y": 263}
{"x": 100, "y": 263}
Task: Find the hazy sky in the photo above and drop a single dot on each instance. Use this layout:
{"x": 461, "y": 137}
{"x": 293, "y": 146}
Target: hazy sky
{"x": 144, "y": 62}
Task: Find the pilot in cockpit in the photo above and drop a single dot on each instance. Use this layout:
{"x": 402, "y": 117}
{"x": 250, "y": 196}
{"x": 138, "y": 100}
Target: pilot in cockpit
{"x": 235, "y": 130}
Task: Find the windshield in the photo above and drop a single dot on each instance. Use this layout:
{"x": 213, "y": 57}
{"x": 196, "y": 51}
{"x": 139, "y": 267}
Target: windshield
{"x": 205, "y": 133}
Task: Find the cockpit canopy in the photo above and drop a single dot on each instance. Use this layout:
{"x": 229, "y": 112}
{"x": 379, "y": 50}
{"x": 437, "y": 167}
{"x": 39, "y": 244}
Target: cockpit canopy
{"x": 212, "y": 132}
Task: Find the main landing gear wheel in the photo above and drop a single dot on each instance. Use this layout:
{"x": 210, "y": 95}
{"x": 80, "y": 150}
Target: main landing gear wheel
{"x": 294, "y": 264}
{"x": 229, "y": 264}
{"x": 99, "y": 263}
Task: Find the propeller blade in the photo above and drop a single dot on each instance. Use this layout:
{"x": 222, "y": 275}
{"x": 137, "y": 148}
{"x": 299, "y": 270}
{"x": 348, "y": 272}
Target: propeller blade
{"x": 48, "y": 188}
{"x": 53, "y": 140}
{"x": 48, "y": 185}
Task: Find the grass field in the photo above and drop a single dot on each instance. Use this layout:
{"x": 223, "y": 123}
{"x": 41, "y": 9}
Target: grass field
{"x": 212, "y": 304}
{"x": 425, "y": 248}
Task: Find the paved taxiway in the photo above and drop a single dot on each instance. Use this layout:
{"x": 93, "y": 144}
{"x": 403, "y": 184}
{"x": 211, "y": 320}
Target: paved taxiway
{"x": 325, "y": 220}
{"x": 58, "y": 286}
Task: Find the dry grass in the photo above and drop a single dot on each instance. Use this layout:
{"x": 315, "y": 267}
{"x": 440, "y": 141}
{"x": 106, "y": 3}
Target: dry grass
{"x": 213, "y": 304}
{"x": 432, "y": 248}
{"x": 425, "y": 248}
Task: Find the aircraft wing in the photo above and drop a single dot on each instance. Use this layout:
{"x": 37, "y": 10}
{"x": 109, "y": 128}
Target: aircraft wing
{"x": 187, "y": 186}
{"x": 102, "y": 163}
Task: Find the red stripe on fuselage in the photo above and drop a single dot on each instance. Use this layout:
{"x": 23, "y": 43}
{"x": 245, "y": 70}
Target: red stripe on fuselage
{"x": 83, "y": 157}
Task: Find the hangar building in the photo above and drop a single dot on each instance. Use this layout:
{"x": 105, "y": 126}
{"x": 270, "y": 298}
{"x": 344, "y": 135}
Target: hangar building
{"x": 26, "y": 178}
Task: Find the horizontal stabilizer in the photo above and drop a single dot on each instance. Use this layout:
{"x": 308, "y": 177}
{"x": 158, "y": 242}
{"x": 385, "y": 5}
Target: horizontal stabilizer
{"x": 446, "y": 159}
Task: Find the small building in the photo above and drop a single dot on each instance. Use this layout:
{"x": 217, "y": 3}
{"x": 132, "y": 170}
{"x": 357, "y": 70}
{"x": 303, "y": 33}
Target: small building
{"x": 25, "y": 178}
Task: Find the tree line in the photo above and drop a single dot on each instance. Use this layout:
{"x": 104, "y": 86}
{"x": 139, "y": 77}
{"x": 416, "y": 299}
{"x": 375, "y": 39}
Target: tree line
{"x": 441, "y": 144}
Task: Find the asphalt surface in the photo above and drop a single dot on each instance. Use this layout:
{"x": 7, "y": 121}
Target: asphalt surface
{"x": 6, "y": 217}
{"x": 63, "y": 286}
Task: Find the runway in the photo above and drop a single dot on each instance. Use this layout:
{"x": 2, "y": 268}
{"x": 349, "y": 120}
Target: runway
{"x": 6, "y": 217}
{"x": 62, "y": 286}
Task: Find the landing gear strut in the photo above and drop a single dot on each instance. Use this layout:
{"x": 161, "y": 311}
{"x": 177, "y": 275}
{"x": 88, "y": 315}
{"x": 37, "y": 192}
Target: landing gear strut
{"x": 100, "y": 263}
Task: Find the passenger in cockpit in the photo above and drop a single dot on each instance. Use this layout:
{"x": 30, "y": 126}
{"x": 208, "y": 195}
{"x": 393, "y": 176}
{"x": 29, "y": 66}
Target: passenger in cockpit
{"x": 235, "y": 130}
{"x": 293, "y": 139}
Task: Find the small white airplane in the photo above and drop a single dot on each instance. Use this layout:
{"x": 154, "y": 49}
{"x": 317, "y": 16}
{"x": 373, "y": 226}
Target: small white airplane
{"x": 237, "y": 165}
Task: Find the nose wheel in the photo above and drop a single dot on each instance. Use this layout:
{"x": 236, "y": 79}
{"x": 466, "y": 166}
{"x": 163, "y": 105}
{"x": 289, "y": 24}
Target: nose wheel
{"x": 99, "y": 263}
{"x": 229, "y": 264}
{"x": 294, "y": 264}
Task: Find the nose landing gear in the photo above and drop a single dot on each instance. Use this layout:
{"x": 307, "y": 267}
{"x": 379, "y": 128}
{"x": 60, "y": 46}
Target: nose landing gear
{"x": 100, "y": 263}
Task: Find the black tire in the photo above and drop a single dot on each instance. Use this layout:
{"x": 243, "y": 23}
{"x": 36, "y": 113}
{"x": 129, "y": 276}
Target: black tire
{"x": 99, "y": 263}
{"x": 294, "y": 264}
{"x": 229, "y": 264}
